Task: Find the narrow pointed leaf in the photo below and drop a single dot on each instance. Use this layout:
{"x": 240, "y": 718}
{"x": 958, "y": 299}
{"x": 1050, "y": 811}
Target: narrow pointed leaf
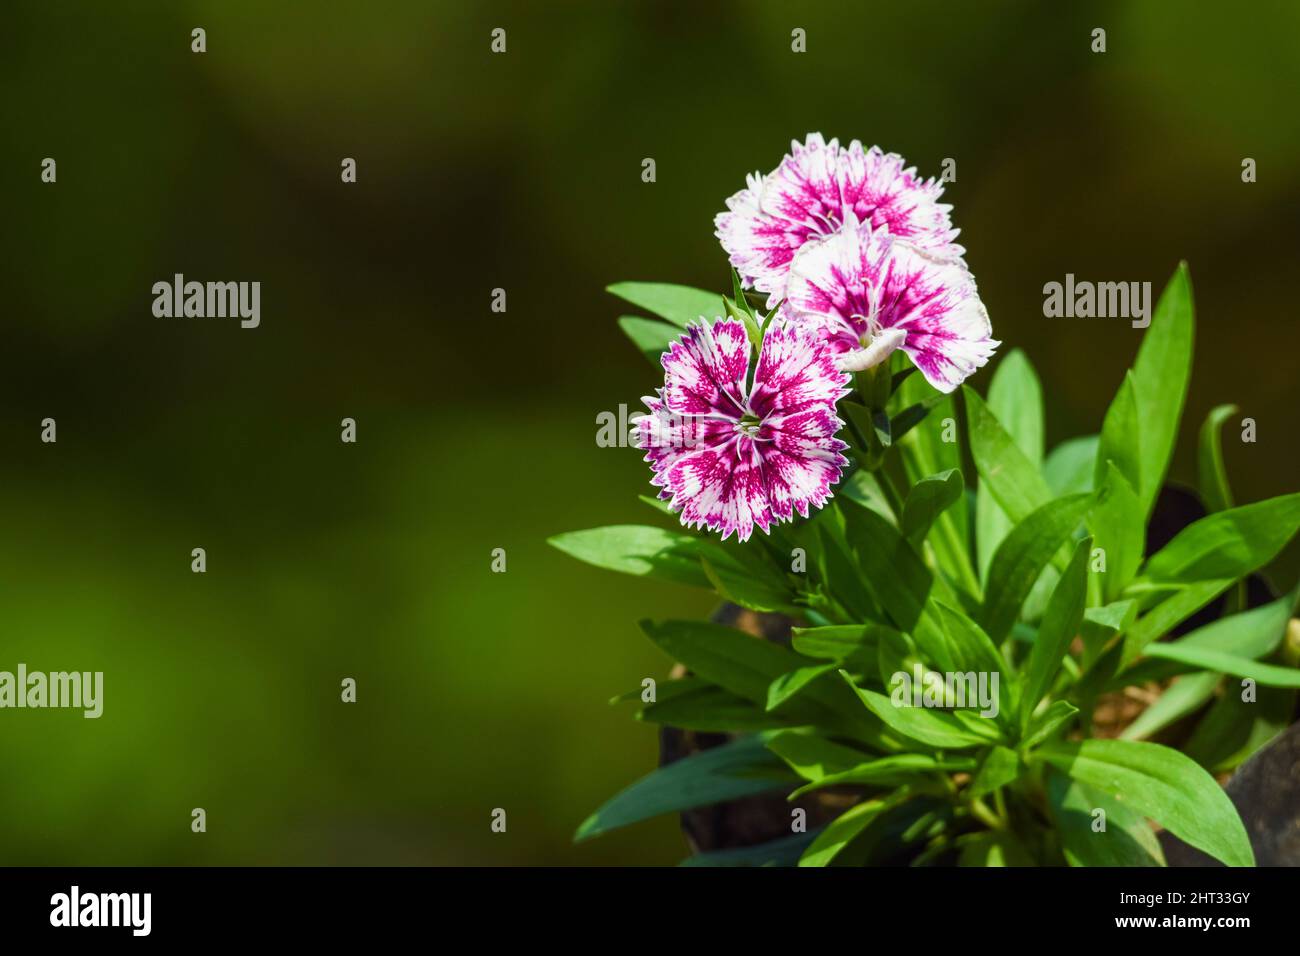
{"x": 741, "y": 768}
{"x": 937, "y": 728}
{"x": 1228, "y": 544}
{"x": 651, "y": 336}
{"x": 679, "y": 304}
{"x": 1184, "y": 696}
{"x": 928, "y": 499}
{"x": 1014, "y": 481}
{"x": 747, "y": 666}
{"x": 1126, "y": 840}
{"x": 1168, "y": 614}
{"x": 1069, "y": 468}
{"x": 1161, "y": 784}
{"x": 1001, "y": 765}
{"x": 783, "y": 852}
{"x": 1121, "y": 439}
{"x": 1269, "y": 675}
{"x": 813, "y": 757}
{"x": 1021, "y": 557}
{"x": 1117, "y": 524}
{"x": 788, "y": 684}
{"x": 1043, "y": 725}
{"x": 1059, "y": 627}
{"x": 1160, "y": 376}
{"x": 840, "y": 831}
{"x": 837, "y": 642}
{"x": 639, "y": 550}
{"x": 1212, "y": 476}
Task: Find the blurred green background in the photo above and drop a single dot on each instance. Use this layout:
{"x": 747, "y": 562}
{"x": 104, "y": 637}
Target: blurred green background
{"x": 476, "y": 430}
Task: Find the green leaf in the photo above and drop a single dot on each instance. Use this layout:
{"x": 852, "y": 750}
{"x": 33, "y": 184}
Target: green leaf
{"x": 1110, "y": 619}
{"x": 739, "y": 662}
{"x": 837, "y": 573}
{"x": 745, "y": 317}
{"x": 1269, "y": 675}
{"x": 783, "y": 852}
{"x": 838, "y": 642}
{"x": 1160, "y": 376}
{"x": 970, "y": 648}
{"x": 1016, "y": 399}
{"x": 1014, "y": 481}
{"x": 898, "y": 831}
{"x": 651, "y": 336}
{"x": 1047, "y": 723}
{"x": 1023, "y": 554}
{"x": 637, "y": 549}
{"x": 747, "y": 665}
{"x": 787, "y": 685}
{"x": 928, "y": 499}
{"x": 1121, "y": 440}
{"x": 893, "y": 572}
{"x": 892, "y": 771}
{"x": 1228, "y": 544}
{"x": 1213, "y": 477}
{"x": 1101, "y": 624}
{"x": 1184, "y": 696}
{"x": 679, "y": 304}
{"x": 738, "y": 296}
{"x": 658, "y": 504}
{"x": 1252, "y": 633}
{"x": 1127, "y": 840}
{"x": 1118, "y": 525}
{"x": 991, "y": 849}
{"x": 744, "y": 576}
{"x": 1162, "y": 784}
{"x": 740, "y": 768}
{"x": 895, "y": 653}
{"x": 864, "y": 488}
{"x": 694, "y": 704}
{"x": 813, "y": 757}
{"x": 840, "y": 831}
{"x": 1168, "y": 614}
{"x": 938, "y": 728}
{"x": 1000, "y": 767}
{"x": 869, "y": 431}
{"x": 1060, "y": 626}
{"x": 1069, "y": 468}
{"x": 1233, "y": 728}
{"x": 912, "y": 415}
{"x": 925, "y": 451}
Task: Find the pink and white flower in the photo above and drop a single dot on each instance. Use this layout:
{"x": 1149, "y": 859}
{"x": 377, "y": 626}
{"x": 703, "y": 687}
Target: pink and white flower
{"x": 811, "y": 194}
{"x": 729, "y": 454}
{"x": 867, "y": 292}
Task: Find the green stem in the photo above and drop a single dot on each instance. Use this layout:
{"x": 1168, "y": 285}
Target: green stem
{"x": 980, "y": 811}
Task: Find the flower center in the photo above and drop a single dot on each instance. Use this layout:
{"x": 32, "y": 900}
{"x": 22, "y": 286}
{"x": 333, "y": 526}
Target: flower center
{"x": 872, "y": 323}
{"x": 749, "y": 425}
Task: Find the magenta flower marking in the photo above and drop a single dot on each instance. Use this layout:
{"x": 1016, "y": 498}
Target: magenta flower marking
{"x": 862, "y": 285}
{"x": 808, "y": 196}
{"x": 728, "y": 454}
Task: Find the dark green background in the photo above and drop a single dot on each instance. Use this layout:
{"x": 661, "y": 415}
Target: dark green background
{"x": 477, "y": 430}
